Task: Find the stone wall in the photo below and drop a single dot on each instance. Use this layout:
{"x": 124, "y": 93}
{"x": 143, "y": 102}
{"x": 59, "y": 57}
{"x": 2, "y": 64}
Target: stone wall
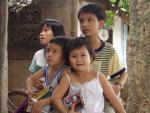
{"x": 139, "y": 58}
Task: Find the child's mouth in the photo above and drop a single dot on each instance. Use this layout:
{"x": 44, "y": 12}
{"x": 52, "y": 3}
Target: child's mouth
{"x": 86, "y": 30}
{"x": 79, "y": 64}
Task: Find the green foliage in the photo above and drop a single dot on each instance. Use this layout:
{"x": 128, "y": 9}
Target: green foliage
{"x": 110, "y": 18}
{"x": 124, "y": 4}
{"x": 113, "y": 1}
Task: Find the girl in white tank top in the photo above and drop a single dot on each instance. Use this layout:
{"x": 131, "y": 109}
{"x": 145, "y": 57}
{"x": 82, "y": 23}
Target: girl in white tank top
{"x": 92, "y": 93}
{"x": 91, "y": 85}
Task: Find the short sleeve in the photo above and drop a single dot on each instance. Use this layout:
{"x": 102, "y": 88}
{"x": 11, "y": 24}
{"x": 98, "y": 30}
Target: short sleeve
{"x": 33, "y": 65}
{"x": 115, "y": 64}
{"x": 38, "y": 61}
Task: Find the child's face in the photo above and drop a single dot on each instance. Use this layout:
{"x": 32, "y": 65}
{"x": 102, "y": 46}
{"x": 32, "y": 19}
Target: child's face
{"x": 46, "y": 35}
{"x": 89, "y": 24}
{"x": 80, "y": 59}
{"x": 54, "y": 54}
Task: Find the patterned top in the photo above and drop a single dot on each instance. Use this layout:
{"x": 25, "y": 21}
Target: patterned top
{"x": 107, "y": 60}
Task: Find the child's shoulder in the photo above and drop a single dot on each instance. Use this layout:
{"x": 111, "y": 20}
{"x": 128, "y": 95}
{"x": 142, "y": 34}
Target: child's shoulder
{"x": 66, "y": 72}
{"x": 109, "y": 48}
{"x": 99, "y": 74}
{"x": 39, "y": 52}
{"x": 109, "y": 45}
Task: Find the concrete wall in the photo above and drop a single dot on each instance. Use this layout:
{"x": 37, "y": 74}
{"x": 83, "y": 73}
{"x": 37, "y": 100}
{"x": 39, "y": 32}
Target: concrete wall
{"x": 120, "y": 35}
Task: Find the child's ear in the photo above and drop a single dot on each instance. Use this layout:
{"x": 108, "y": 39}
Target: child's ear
{"x": 101, "y": 24}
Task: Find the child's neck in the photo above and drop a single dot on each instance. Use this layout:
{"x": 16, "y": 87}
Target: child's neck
{"x": 55, "y": 67}
{"x": 82, "y": 73}
{"x": 84, "y": 76}
{"x": 95, "y": 41}
{"x": 52, "y": 71}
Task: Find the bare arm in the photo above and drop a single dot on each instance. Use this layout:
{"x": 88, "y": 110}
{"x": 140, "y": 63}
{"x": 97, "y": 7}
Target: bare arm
{"x": 121, "y": 83}
{"x": 110, "y": 94}
{"x": 33, "y": 78}
{"x": 37, "y": 106}
{"x": 59, "y": 93}
{"x": 123, "y": 78}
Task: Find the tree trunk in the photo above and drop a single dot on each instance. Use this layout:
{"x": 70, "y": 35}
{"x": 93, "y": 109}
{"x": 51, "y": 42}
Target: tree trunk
{"x": 139, "y": 58}
{"x": 3, "y": 56}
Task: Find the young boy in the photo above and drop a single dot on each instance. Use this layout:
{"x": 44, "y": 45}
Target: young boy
{"x": 91, "y": 18}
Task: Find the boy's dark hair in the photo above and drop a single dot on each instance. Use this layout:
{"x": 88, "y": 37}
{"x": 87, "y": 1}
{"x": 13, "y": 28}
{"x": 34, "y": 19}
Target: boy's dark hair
{"x": 56, "y": 26}
{"x": 94, "y": 9}
{"x": 61, "y": 41}
{"x": 76, "y": 43}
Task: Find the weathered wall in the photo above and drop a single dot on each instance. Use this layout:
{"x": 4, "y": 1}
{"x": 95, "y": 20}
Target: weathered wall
{"x": 63, "y": 10}
{"x": 3, "y": 56}
{"x": 23, "y": 41}
{"x": 139, "y": 58}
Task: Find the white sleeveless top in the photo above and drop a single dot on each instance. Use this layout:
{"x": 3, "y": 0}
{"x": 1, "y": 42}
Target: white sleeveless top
{"x": 92, "y": 93}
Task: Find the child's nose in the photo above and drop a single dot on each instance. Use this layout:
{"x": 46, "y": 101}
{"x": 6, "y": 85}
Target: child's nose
{"x": 42, "y": 33}
{"x": 85, "y": 23}
{"x": 79, "y": 59}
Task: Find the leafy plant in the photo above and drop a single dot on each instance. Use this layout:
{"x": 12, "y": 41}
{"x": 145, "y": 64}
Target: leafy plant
{"x": 124, "y": 4}
{"x": 120, "y": 5}
{"x": 110, "y": 18}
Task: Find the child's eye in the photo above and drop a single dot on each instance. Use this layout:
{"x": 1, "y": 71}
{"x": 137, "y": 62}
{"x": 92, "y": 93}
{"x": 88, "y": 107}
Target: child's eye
{"x": 73, "y": 56}
{"x": 83, "y": 55}
{"x": 45, "y": 30}
{"x": 54, "y": 51}
{"x": 91, "y": 20}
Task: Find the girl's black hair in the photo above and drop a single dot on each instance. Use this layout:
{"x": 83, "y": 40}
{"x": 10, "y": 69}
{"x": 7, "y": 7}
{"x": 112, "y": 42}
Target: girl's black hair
{"x": 94, "y": 9}
{"x": 76, "y": 43}
{"x": 56, "y": 26}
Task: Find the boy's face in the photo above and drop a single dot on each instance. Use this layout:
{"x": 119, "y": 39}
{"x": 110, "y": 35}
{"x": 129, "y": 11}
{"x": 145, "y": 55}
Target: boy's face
{"x": 89, "y": 24}
{"x": 54, "y": 54}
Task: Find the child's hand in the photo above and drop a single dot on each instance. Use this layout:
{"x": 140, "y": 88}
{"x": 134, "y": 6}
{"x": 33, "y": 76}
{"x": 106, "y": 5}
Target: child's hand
{"x": 37, "y": 107}
{"x": 72, "y": 110}
{"x": 39, "y": 85}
